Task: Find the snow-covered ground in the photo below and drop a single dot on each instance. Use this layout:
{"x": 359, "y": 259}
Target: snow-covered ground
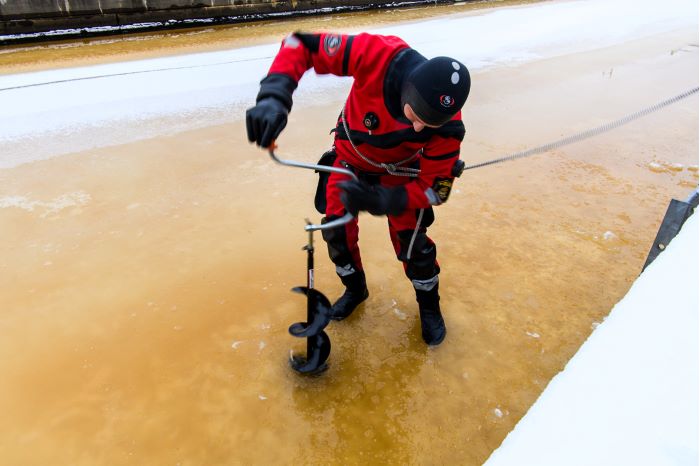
{"x": 134, "y": 100}
{"x": 630, "y": 394}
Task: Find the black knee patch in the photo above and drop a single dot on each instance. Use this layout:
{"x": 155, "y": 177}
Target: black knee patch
{"x": 421, "y": 258}
{"x": 428, "y": 217}
{"x": 337, "y": 242}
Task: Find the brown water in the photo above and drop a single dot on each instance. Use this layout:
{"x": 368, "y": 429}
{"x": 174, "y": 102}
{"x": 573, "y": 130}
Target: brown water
{"x": 67, "y": 53}
{"x": 144, "y": 300}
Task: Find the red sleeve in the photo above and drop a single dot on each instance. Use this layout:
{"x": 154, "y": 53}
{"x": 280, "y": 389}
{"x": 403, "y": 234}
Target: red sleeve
{"x": 331, "y": 53}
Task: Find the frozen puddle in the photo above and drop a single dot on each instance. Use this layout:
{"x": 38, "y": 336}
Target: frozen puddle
{"x": 75, "y": 199}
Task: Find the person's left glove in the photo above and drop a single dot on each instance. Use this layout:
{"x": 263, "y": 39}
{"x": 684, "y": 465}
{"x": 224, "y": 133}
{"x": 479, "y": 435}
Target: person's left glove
{"x": 266, "y": 121}
{"x": 375, "y": 199}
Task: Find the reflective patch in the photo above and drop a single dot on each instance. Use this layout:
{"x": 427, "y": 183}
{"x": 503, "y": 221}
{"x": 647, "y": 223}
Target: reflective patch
{"x": 331, "y": 44}
{"x": 432, "y": 196}
{"x": 442, "y": 187}
{"x": 425, "y": 285}
{"x": 291, "y": 41}
{"x": 345, "y": 270}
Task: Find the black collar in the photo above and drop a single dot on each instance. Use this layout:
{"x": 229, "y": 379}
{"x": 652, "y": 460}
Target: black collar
{"x": 401, "y": 65}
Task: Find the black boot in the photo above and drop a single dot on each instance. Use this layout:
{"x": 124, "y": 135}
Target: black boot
{"x": 432, "y": 324}
{"x": 355, "y": 292}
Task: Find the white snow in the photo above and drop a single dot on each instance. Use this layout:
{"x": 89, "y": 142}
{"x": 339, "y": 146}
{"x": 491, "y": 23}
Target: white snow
{"x": 630, "y": 394}
{"x": 75, "y": 199}
{"x": 86, "y": 107}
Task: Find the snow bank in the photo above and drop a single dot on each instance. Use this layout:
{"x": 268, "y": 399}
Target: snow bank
{"x": 630, "y": 394}
{"x": 81, "y": 108}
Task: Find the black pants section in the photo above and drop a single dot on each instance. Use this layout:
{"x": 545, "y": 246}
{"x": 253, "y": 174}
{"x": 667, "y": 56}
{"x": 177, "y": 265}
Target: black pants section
{"x": 419, "y": 259}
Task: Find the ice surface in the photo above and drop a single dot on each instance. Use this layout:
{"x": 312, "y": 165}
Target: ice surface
{"x": 95, "y": 106}
{"x": 75, "y": 199}
{"x": 630, "y": 394}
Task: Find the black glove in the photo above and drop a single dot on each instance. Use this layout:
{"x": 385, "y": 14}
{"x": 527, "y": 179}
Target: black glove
{"x": 266, "y": 121}
{"x": 375, "y": 199}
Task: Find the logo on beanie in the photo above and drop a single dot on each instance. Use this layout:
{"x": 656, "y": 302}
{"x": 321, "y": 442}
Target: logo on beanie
{"x": 446, "y": 101}
{"x": 331, "y": 44}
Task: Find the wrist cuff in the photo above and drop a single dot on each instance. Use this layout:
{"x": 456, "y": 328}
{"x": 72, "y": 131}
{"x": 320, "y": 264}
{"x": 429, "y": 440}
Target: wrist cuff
{"x": 279, "y": 86}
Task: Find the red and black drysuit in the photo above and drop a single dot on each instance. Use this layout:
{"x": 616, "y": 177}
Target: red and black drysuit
{"x": 382, "y": 134}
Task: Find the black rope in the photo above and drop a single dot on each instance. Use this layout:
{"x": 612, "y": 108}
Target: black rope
{"x": 586, "y": 134}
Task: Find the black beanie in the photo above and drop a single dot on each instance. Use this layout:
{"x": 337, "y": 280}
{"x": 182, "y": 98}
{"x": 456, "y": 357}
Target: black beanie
{"x": 436, "y": 90}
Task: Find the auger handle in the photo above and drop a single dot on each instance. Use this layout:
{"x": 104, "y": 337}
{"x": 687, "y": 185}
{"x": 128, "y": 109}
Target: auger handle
{"x": 322, "y": 168}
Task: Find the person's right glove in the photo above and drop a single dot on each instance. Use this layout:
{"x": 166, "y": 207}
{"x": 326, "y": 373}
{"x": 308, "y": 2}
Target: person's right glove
{"x": 375, "y": 199}
{"x": 266, "y": 121}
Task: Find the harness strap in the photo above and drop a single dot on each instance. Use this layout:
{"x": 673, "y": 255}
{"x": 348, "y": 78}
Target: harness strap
{"x": 394, "y": 168}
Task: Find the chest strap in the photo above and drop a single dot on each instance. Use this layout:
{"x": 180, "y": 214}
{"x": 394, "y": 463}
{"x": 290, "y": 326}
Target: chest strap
{"x": 394, "y": 168}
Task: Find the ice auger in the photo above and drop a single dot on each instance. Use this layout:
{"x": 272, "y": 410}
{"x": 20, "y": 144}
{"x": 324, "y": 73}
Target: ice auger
{"x": 318, "y": 307}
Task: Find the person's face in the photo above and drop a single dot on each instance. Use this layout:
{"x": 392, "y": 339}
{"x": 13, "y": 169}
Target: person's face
{"x": 417, "y": 123}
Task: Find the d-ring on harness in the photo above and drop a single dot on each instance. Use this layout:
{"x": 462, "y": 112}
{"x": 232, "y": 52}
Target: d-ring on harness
{"x": 395, "y": 168}
{"x": 318, "y": 307}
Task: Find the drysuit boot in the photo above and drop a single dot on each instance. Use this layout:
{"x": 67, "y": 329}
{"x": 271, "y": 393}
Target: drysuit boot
{"x": 432, "y": 324}
{"x": 355, "y": 292}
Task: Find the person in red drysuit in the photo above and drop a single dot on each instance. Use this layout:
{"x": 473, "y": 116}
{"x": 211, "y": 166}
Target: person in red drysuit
{"x": 400, "y": 131}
